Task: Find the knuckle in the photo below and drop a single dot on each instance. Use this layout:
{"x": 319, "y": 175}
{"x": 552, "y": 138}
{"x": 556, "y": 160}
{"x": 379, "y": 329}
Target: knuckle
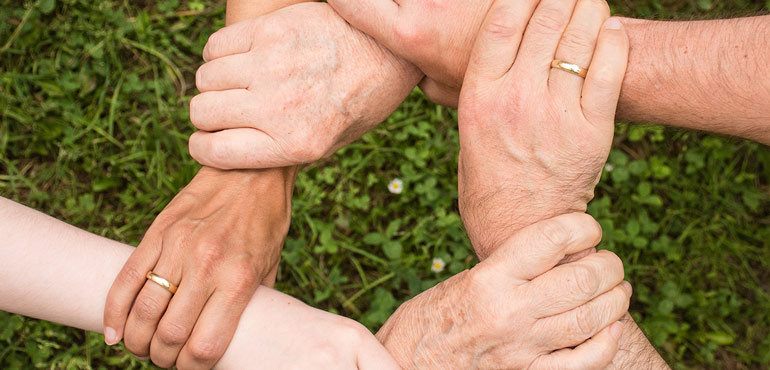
{"x": 172, "y": 334}
{"x": 577, "y": 41}
{"x": 205, "y": 351}
{"x": 550, "y": 20}
{"x": 132, "y": 273}
{"x": 584, "y": 321}
{"x": 147, "y": 307}
{"x": 584, "y": 280}
{"x": 502, "y": 23}
{"x": 613, "y": 262}
{"x": 410, "y": 33}
{"x": 311, "y": 152}
{"x": 556, "y": 232}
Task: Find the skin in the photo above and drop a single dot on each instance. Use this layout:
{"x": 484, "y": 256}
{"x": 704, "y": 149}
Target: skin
{"x": 239, "y": 155}
{"x": 302, "y": 90}
{"x": 552, "y": 109}
{"x": 218, "y": 240}
{"x": 53, "y": 271}
{"x": 676, "y": 70}
{"x": 45, "y": 263}
{"x": 667, "y": 81}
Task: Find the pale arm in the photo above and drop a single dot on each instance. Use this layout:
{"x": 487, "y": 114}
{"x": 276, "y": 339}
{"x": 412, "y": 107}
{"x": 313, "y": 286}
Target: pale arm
{"x": 53, "y": 271}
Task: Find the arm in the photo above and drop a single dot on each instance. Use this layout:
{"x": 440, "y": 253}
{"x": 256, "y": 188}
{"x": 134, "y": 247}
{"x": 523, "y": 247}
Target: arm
{"x": 705, "y": 75}
{"x": 57, "y": 272}
{"x": 218, "y": 240}
{"x": 551, "y": 139}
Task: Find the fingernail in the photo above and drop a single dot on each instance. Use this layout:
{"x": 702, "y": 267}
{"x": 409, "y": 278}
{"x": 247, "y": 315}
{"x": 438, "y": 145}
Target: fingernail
{"x": 111, "y": 336}
{"x": 628, "y": 287}
{"x": 613, "y": 24}
{"x": 143, "y": 358}
{"x": 616, "y": 330}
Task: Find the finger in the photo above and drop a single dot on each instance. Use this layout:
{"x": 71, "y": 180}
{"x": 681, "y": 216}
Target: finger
{"x": 601, "y": 89}
{"x": 583, "y": 322}
{"x": 238, "y": 149}
{"x": 149, "y": 306}
{"x": 213, "y": 331}
{"x": 231, "y": 40}
{"x": 498, "y": 40}
{"x": 376, "y": 18}
{"x": 178, "y": 321}
{"x": 537, "y": 248}
{"x": 127, "y": 285}
{"x": 577, "y": 46}
{"x": 225, "y": 73}
{"x": 571, "y": 285}
{"x": 221, "y": 110}
{"x": 595, "y": 353}
{"x": 545, "y": 28}
{"x": 439, "y": 93}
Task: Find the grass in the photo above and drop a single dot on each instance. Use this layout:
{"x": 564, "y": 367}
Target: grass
{"x": 93, "y": 131}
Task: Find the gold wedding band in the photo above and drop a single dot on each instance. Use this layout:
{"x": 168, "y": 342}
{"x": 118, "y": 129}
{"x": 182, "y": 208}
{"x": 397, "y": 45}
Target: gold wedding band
{"x": 161, "y": 281}
{"x": 570, "y": 67}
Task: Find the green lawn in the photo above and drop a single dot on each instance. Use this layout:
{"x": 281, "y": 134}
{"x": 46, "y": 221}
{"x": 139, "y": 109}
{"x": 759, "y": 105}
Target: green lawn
{"x": 93, "y": 131}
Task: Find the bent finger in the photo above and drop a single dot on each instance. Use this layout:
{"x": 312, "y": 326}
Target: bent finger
{"x": 585, "y": 321}
{"x": 126, "y": 287}
{"x": 595, "y": 353}
{"x": 545, "y": 29}
{"x": 537, "y": 248}
{"x": 221, "y": 110}
{"x": 497, "y": 43}
{"x": 571, "y": 285}
{"x": 238, "y": 148}
{"x": 213, "y": 331}
{"x": 149, "y": 306}
{"x": 226, "y": 73}
{"x": 177, "y": 323}
{"x": 233, "y": 39}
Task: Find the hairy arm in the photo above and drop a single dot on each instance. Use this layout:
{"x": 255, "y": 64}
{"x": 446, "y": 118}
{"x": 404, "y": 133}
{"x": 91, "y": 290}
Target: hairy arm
{"x": 703, "y": 75}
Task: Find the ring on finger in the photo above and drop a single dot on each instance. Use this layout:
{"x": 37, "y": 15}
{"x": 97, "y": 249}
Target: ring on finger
{"x": 569, "y": 67}
{"x": 165, "y": 284}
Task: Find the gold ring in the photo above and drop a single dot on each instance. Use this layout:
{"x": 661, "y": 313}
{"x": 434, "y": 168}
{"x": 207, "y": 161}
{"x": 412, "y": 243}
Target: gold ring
{"x": 161, "y": 281}
{"x": 570, "y": 67}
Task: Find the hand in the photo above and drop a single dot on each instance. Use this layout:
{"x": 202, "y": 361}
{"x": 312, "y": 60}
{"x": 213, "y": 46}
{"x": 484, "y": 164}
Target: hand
{"x": 291, "y": 87}
{"x": 534, "y": 139}
{"x": 217, "y": 241}
{"x": 516, "y": 310}
{"x": 279, "y": 332}
{"x": 437, "y": 36}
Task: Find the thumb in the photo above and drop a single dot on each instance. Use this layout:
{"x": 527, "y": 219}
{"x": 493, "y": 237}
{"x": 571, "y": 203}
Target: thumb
{"x": 539, "y": 247}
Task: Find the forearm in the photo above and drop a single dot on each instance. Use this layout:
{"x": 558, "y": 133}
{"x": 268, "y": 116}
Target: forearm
{"x": 53, "y": 271}
{"x": 704, "y": 75}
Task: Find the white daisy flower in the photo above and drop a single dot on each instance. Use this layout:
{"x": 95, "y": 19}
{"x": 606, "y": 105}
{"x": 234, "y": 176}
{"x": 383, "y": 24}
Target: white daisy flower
{"x": 437, "y": 265}
{"x": 396, "y": 186}
{"x": 608, "y": 167}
